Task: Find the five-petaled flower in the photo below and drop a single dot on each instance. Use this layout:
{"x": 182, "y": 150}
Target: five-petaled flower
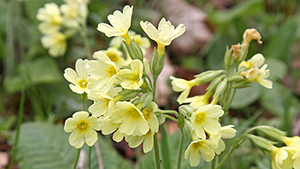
{"x": 120, "y": 24}
{"x": 83, "y": 129}
{"x": 165, "y": 33}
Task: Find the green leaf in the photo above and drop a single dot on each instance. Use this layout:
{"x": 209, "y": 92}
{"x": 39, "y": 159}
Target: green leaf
{"x": 42, "y": 70}
{"x": 46, "y": 146}
{"x": 242, "y": 9}
{"x": 246, "y": 96}
{"x": 278, "y": 69}
{"x": 280, "y": 44}
{"x": 276, "y": 99}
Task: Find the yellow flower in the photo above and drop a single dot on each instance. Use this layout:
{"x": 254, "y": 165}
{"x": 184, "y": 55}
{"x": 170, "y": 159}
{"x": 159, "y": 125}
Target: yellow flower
{"x": 198, "y": 147}
{"x": 51, "y": 18}
{"x": 296, "y": 158}
{"x": 257, "y": 60}
{"x": 259, "y": 75}
{"x": 56, "y": 43}
{"x": 103, "y": 101}
{"x": 70, "y": 12}
{"x": 204, "y": 120}
{"x": 225, "y": 132}
{"x": 78, "y": 78}
{"x": 147, "y": 139}
{"x": 83, "y": 129}
{"x": 131, "y": 119}
{"x": 114, "y": 55}
{"x": 184, "y": 86}
{"x": 132, "y": 79}
{"x": 103, "y": 70}
{"x": 198, "y": 101}
{"x": 281, "y": 157}
{"x": 165, "y": 33}
{"x": 292, "y": 141}
{"x": 120, "y": 24}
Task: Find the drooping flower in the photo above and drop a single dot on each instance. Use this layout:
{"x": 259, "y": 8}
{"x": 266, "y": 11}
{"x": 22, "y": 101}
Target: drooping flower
{"x": 204, "y": 120}
{"x": 257, "y": 60}
{"x": 184, "y": 86}
{"x": 83, "y": 129}
{"x": 78, "y": 77}
{"x": 146, "y": 139}
{"x": 165, "y": 33}
{"x": 199, "y": 147}
{"x": 56, "y": 43}
{"x": 103, "y": 101}
{"x": 132, "y": 79}
{"x": 259, "y": 75}
{"x": 103, "y": 70}
{"x": 131, "y": 119}
{"x": 281, "y": 157}
{"x": 251, "y": 34}
{"x": 120, "y": 24}
{"x": 198, "y": 101}
{"x": 51, "y": 18}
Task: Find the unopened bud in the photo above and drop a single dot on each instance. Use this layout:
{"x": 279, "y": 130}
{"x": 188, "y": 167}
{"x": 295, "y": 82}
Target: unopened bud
{"x": 220, "y": 88}
{"x": 208, "y": 76}
{"x": 261, "y": 143}
{"x": 212, "y": 86}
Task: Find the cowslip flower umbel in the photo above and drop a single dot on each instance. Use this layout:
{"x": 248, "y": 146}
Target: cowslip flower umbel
{"x": 56, "y": 43}
{"x": 78, "y": 77}
{"x": 164, "y": 35}
{"x": 120, "y": 22}
{"x": 132, "y": 79}
{"x": 51, "y": 18}
{"x": 83, "y": 129}
{"x": 205, "y": 120}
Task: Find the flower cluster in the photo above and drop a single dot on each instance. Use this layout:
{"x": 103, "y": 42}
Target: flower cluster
{"x": 120, "y": 85}
{"x": 60, "y": 23}
{"x": 202, "y": 114}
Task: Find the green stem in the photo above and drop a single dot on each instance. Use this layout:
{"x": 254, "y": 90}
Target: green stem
{"x": 77, "y": 158}
{"x": 213, "y": 162}
{"x": 16, "y": 141}
{"x": 10, "y": 52}
{"x": 170, "y": 117}
{"x": 156, "y": 151}
{"x": 180, "y": 148}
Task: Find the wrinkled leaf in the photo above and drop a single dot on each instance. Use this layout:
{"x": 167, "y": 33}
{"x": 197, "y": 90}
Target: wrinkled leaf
{"x": 42, "y": 70}
{"x": 246, "y": 96}
{"x": 278, "y": 69}
{"x": 46, "y": 146}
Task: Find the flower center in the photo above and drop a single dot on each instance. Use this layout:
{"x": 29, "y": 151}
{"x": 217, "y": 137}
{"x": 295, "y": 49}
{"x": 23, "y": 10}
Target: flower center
{"x": 56, "y": 19}
{"x": 200, "y": 117}
{"x": 82, "y": 125}
{"x": 83, "y": 83}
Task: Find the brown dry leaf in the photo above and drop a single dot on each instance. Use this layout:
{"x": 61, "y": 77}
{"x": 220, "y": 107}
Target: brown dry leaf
{"x": 197, "y": 31}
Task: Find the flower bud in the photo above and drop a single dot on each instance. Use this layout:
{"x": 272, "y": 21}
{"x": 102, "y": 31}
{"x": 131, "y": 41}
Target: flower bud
{"x": 212, "y": 86}
{"x": 208, "y": 76}
{"x": 135, "y": 52}
{"x": 220, "y": 88}
{"x": 228, "y": 58}
{"x": 157, "y": 63}
{"x": 186, "y": 110}
{"x": 273, "y": 132}
{"x": 260, "y": 142}
{"x": 236, "y": 78}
